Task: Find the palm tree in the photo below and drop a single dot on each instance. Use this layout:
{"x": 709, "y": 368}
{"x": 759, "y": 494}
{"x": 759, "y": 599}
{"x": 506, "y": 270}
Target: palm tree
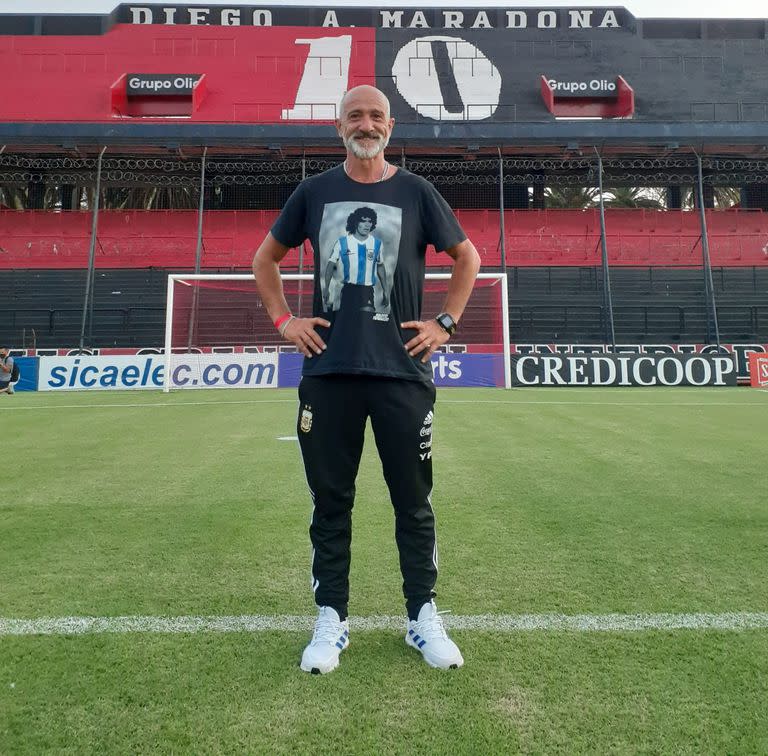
{"x": 633, "y": 196}
{"x": 725, "y": 197}
{"x": 13, "y": 197}
{"x": 563, "y": 197}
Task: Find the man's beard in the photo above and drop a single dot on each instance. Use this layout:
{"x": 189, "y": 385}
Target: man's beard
{"x": 364, "y": 153}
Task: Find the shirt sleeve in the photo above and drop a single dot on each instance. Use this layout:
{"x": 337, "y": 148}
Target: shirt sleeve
{"x": 441, "y": 228}
{"x": 290, "y": 227}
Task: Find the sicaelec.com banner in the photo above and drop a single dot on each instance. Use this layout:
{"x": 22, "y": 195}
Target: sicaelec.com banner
{"x": 148, "y": 372}
{"x": 224, "y": 370}
{"x": 623, "y": 370}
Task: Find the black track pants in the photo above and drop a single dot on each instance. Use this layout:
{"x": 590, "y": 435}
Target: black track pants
{"x": 331, "y": 426}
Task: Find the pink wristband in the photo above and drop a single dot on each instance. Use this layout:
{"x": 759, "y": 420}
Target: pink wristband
{"x": 282, "y": 319}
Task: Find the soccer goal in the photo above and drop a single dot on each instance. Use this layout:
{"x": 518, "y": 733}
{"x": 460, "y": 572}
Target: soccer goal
{"x": 219, "y": 314}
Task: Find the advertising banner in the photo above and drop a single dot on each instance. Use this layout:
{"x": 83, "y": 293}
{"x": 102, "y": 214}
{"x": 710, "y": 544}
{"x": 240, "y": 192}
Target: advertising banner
{"x": 623, "y": 370}
{"x": 741, "y": 352}
{"x": 480, "y": 370}
{"x": 758, "y": 370}
{"x": 27, "y": 373}
{"x": 258, "y": 370}
{"x": 148, "y": 372}
{"x": 270, "y": 370}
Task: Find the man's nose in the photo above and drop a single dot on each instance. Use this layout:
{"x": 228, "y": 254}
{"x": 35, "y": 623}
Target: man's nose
{"x": 366, "y": 124}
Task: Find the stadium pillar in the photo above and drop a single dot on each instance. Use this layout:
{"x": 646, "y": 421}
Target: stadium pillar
{"x": 517, "y": 197}
{"x": 704, "y": 198}
{"x": 709, "y": 287}
{"x": 755, "y": 196}
{"x": 91, "y": 251}
{"x": 610, "y": 335}
{"x": 36, "y": 195}
{"x": 67, "y": 193}
{"x": 674, "y": 198}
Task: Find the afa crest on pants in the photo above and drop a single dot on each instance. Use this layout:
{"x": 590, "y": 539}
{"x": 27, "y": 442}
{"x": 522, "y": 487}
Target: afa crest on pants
{"x": 306, "y": 420}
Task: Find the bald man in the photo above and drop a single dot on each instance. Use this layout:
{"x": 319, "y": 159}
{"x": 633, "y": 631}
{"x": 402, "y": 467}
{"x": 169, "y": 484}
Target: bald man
{"x": 367, "y": 355}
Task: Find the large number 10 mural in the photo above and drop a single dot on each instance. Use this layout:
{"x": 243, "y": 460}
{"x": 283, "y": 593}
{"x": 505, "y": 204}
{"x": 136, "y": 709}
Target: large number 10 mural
{"x": 470, "y": 93}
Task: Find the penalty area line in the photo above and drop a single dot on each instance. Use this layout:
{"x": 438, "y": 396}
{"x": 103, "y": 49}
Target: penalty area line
{"x": 504, "y": 623}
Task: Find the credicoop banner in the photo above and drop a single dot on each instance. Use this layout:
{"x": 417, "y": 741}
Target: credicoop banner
{"x": 623, "y": 370}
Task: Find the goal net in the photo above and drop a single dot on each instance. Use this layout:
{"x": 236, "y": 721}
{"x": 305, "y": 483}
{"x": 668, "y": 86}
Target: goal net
{"x": 209, "y": 316}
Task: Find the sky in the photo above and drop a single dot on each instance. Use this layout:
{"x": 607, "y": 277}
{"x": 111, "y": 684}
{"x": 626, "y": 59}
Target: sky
{"x": 638, "y": 8}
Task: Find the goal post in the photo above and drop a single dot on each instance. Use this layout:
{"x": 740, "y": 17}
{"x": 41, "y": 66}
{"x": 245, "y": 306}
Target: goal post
{"x": 217, "y": 314}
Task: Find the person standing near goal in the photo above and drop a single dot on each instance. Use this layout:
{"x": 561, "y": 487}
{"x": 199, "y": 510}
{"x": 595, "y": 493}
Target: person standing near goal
{"x": 372, "y": 361}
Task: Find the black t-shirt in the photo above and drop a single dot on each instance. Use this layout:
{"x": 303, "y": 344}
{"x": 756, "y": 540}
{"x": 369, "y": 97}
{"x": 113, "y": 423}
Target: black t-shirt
{"x": 369, "y": 244}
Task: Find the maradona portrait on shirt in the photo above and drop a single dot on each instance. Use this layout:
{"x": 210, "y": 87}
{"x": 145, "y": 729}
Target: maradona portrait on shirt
{"x": 356, "y": 258}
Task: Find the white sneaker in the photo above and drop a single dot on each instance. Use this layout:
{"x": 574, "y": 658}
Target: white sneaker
{"x": 428, "y": 635}
{"x": 330, "y": 638}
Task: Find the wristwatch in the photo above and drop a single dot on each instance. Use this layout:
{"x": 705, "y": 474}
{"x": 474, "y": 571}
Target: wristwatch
{"x": 447, "y": 323}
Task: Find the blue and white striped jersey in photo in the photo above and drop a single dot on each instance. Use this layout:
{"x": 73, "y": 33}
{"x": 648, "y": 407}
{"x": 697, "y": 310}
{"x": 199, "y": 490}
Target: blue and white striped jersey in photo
{"x": 358, "y": 258}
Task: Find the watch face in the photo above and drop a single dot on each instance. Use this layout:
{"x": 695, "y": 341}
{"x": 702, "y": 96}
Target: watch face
{"x": 447, "y": 322}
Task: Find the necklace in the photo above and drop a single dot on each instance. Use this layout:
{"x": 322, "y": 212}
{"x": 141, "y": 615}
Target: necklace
{"x": 383, "y": 175}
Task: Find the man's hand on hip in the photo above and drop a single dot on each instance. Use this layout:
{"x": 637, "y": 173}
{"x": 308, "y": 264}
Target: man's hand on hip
{"x": 301, "y": 332}
{"x": 430, "y": 337}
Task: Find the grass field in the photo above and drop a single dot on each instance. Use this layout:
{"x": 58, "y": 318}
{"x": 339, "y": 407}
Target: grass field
{"x": 549, "y": 502}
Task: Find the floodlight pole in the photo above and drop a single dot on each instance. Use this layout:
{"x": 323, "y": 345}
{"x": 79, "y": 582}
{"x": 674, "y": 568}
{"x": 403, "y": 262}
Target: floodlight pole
{"x": 198, "y": 254}
{"x": 610, "y": 333}
{"x": 91, "y": 251}
{"x": 302, "y": 250}
{"x": 200, "y": 204}
{"x": 502, "y": 240}
{"x": 709, "y": 286}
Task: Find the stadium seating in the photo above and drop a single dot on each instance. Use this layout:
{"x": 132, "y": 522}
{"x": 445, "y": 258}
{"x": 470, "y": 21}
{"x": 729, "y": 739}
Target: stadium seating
{"x": 553, "y": 258}
{"x": 168, "y": 238}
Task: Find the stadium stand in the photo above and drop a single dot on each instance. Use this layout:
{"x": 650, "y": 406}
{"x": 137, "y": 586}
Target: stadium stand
{"x": 226, "y": 153}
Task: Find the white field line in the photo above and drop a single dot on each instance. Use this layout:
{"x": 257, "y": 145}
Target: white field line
{"x": 505, "y": 623}
{"x": 442, "y": 402}
{"x": 606, "y": 404}
{"x": 133, "y": 405}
